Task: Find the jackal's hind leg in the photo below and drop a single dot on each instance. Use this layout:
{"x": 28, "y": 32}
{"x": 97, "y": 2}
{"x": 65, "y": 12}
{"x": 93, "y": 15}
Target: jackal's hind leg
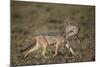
{"x": 31, "y": 50}
{"x": 56, "y": 49}
{"x": 44, "y": 50}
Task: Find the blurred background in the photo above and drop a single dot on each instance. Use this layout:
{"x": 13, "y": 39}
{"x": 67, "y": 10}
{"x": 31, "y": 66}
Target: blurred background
{"x": 30, "y": 18}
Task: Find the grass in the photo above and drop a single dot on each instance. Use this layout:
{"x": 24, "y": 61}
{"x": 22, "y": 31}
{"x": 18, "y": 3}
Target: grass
{"x": 30, "y": 18}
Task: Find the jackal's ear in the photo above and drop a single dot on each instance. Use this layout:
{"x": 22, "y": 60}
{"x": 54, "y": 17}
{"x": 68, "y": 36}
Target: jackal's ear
{"x": 66, "y": 21}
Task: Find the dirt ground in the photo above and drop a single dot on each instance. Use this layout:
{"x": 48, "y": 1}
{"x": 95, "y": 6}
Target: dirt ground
{"x": 30, "y": 18}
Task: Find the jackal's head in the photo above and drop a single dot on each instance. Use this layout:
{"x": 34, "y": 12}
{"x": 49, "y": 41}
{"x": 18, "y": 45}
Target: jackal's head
{"x": 70, "y": 29}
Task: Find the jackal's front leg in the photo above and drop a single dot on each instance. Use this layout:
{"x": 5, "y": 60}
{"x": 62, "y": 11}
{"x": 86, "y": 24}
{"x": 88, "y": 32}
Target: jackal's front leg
{"x": 70, "y": 48}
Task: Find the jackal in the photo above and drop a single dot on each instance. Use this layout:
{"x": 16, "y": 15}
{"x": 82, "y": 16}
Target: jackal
{"x": 42, "y": 40}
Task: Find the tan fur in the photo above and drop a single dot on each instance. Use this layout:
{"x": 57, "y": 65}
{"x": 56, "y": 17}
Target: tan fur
{"x": 42, "y": 41}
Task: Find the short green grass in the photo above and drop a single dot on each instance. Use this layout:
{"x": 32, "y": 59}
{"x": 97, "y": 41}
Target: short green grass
{"x": 30, "y": 18}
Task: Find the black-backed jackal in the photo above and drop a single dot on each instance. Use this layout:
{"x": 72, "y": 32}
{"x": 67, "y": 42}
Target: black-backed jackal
{"x": 61, "y": 38}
